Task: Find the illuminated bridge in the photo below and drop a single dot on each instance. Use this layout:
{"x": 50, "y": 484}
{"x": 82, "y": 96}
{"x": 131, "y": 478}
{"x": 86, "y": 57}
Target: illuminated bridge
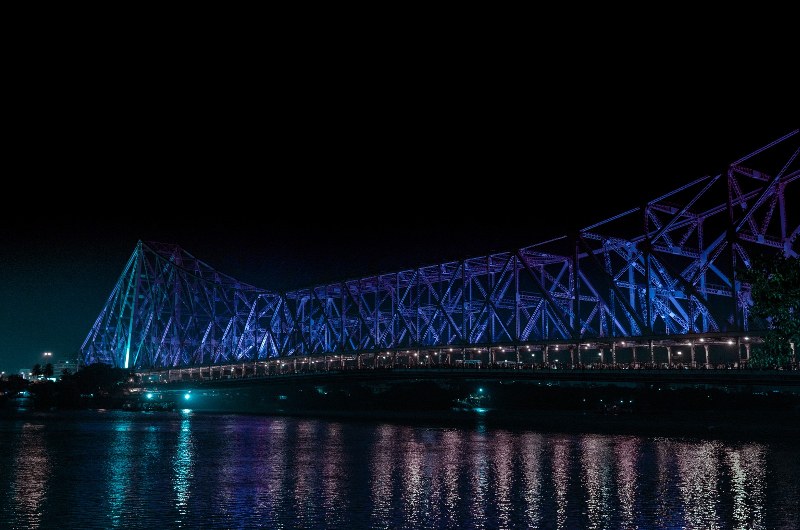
{"x": 656, "y": 283}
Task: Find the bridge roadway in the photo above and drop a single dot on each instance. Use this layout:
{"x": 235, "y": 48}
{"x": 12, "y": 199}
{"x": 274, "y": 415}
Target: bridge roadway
{"x": 733, "y": 379}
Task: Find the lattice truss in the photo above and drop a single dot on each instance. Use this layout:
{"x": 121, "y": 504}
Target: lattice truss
{"x": 665, "y": 268}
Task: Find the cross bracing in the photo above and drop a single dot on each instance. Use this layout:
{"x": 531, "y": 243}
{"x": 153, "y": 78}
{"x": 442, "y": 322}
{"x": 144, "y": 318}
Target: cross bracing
{"x": 665, "y": 268}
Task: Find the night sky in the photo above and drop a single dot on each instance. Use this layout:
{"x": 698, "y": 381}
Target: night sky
{"x": 282, "y": 198}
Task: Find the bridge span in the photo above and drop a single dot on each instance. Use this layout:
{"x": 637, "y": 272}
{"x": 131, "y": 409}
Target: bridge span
{"x": 659, "y": 284}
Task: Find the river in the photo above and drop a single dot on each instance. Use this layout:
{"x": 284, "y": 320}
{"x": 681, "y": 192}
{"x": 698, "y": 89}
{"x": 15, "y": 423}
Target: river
{"x": 115, "y": 469}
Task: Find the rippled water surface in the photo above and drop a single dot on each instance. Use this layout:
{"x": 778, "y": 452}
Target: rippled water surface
{"x": 186, "y": 470}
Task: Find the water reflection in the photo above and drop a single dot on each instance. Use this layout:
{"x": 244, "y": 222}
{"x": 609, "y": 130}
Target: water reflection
{"x": 532, "y": 480}
{"x": 266, "y": 466}
{"x": 596, "y": 461}
{"x": 452, "y": 447}
{"x": 190, "y": 470}
{"x": 626, "y": 454}
{"x": 698, "y": 481}
{"x": 118, "y": 472}
{"x": 183, "y": 466}
{"x": 32, "y": 468}
{"x": 502, "y": 458}
{"x": 747, "y": 468}
{"x": 335, "y": 500}
{"x": 478, "y": 478}
{"x": 381, "y": 471}
{"x": 561, "y": 478}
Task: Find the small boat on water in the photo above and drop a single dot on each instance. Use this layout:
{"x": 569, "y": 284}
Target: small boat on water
{"x": 477, "y": 402}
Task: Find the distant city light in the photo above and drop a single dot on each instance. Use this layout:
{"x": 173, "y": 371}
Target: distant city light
{"x": 149, "y": 396}
{"x": 187, "y": 396}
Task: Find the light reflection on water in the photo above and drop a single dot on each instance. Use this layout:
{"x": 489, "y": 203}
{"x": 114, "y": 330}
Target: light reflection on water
{"x": 186, "y": 470}
{"x": 31, "y": 473}
{"x": 183, "y": 465}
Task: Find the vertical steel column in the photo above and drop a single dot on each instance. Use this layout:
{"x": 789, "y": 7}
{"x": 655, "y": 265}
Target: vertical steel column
{"x": 731, "y": 237}
{"x": 343, "y": 332}
{"x": 739, "y": 350}
{"x": 577, "y": 291}
{"x": 464, "y": 329}
{"x": 516, "y": 302}
{"x": 136, "y": 279}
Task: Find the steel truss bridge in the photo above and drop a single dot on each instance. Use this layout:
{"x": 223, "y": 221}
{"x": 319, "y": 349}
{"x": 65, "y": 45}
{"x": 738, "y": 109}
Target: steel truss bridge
{"x": 662, "y": 275}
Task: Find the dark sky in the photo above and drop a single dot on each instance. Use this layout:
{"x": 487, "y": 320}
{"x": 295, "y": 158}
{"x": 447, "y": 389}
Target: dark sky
{"x": 291, "y": 191}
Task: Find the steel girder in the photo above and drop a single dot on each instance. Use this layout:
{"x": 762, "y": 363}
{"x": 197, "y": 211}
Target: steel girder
{"x": 667, "y": 267}
{"x": 170, "y": 309}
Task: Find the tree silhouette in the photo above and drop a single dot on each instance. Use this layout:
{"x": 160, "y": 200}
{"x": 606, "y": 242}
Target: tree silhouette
{"x": 37, "y": 370}
{"x": 48, "y": 370}
{"x": 775, "y": 293}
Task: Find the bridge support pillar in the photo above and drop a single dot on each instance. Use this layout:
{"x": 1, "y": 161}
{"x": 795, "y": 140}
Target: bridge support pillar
{"x": 516, "y": 349}
{"x": 545, "y": 354}
{"x": 572, "y": 354}
{"x": 739, "y": 350}
{"x": 691, "y": 352}
{"x": 705, "y": 346}
{"x": 669, "y": 356}
{"x": 614, "y": 353}
{"x": 633, "y": 349}
{"x": 652, "y": 353}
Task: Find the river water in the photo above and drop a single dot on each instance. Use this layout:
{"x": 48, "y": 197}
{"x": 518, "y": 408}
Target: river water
{"x": 189, "y": 470}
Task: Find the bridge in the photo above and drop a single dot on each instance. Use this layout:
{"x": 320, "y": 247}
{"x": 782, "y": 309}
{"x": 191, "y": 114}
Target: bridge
{"x": 654, "y": 284}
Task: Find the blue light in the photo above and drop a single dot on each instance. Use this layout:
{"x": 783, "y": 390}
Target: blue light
{"x": 480, "y": 390}
{"x": 186, "y": 396}
{"x": 149, "y": 396}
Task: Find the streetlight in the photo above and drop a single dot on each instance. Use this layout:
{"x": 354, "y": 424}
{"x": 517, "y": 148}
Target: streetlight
{"x": 47, "y": 354}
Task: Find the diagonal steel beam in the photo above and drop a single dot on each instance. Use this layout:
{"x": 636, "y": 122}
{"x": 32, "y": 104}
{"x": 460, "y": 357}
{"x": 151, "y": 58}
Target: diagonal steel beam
{"x": 559, "y": 313}
{"x": 614, "y": 287}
